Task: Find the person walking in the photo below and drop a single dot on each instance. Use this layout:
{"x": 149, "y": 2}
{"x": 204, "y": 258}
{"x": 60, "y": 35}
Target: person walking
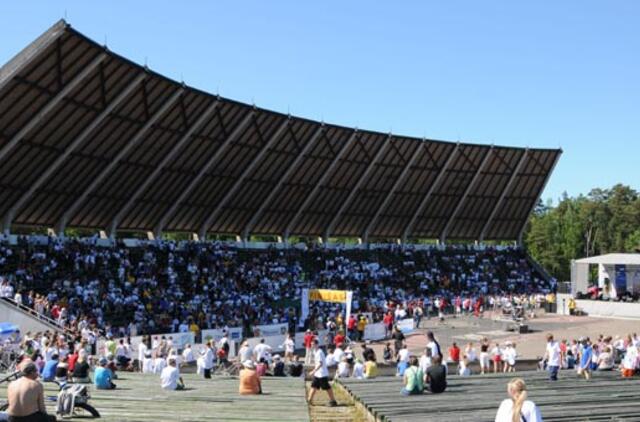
{"x": 553, "y": 356}
{"x": 320, "y": 374}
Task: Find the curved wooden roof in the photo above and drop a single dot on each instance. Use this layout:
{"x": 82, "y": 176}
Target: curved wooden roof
{"x": 90, "y": 139}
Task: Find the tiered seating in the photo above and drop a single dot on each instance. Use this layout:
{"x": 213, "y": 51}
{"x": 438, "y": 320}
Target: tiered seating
{"x": 139, "y": 398}
{"x": 605, "y": 397}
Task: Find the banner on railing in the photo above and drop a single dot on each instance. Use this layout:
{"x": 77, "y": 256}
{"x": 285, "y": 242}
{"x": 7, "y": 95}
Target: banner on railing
{"x": 406, "y": 325}
{"x": 374, "y": 331}
{"x": 270, "y": 330}
{"x": 324, "y": 295}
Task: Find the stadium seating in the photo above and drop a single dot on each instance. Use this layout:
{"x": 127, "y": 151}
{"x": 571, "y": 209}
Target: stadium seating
{"x": 158, "y": 287}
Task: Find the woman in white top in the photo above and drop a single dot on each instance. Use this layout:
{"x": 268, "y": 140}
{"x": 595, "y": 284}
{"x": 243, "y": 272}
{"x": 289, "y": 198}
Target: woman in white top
{"x": 517, "y": 408}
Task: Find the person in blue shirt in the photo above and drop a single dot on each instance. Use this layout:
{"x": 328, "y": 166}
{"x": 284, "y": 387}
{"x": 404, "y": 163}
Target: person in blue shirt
{"x": 49, "y": 370}
{"x": 585, "y": 359}
{"x": 102, "y": 376}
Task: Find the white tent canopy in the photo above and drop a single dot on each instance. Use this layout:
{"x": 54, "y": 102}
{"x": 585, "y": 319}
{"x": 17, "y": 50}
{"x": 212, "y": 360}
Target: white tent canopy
{"x": 617, "y": 273}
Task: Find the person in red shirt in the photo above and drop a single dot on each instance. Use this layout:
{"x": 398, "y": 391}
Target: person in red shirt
{"x": 387, "y": 320}
{"x": 454, "y": 353}
{"x": 338, "y": 340}
{"x": 308, "y": 344}
{"x": 351, "y": 325}
{"x": 73, "y": 358}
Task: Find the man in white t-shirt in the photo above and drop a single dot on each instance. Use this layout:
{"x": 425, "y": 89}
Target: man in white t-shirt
{"x": 262, "y": 351}
{"x": 170, "y": 378}
{"x": 320, "y": 374}
{"x": 187, "y": 355}
{"x": 553, "y": 355}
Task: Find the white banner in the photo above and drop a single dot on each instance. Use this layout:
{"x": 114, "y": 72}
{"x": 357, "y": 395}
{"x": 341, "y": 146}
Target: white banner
{"x": 405, "y": 325}
{"x": 374, "y": 331}
{"x": 349, "y": 299}
{"x": 271, "y": 330}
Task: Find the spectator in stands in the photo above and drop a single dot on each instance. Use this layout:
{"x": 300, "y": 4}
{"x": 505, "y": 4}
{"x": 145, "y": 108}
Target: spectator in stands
{"x": 370, "y": 367}
{"x": 295, "y": 367}
{"x": 170, "y": 378}
{"x": 454, "y": 353}
{"x": 188, "y": 358}
{"x": 436, "y": 376}
{"x": 413, "y": 378}
{"x": 62, "y": 371}
{"x": 26, "y": 397}
{"x": 387, "y": 353}
{"x": 49, "y": 370}
{"x": 320, "y": 375}
{"x": 102, "y": 377}
{"x": 463, "y": 367}
{"x": 484, "y": 356}
{"x": 496, "y": 357}
{"x": 261, "y": 368}
{"x": 249, "y": 379}
{"x": 278, "y": 366}
{"x": 342, "y": 371}
{"x": 81, "y": 370}
{"x": 358, "y": 370}
{"x": 509, "y": 356}
{"x": 517, "y": 408}
{"x": 606, "y": 359}
{"x": 309, "y": 337}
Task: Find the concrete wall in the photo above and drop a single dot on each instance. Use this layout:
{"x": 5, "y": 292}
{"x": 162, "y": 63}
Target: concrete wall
{"x": 599, "y": 308}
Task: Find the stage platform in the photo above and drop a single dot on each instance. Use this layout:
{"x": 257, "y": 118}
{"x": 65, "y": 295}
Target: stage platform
{"x": 601, "y": 308}
{"x": 606, "y": 397}
{"x": 139, "y": 398}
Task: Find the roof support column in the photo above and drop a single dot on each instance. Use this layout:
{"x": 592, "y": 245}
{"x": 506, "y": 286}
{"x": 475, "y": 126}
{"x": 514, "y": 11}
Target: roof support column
{"x": 355, "y": 189}
{"x": 79, "y": 140}
{"x": 285, "y": 176}
{"x": 506, "y": 189}
{"x": 533, "y": 206}
{"x": 236, "y": 185}
{"x": 445, "y": 231}
{"x": 113, "y": 226}
{"x": 394, "y": 188}
{"x": 407, "y": 230}
{"x": 237, "y": 131}
{"x": 51, "y": 105}
{"x": 322, "y": 180}
{"x": 68, "y": 214}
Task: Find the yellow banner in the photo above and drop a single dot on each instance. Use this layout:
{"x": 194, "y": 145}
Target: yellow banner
{"x": 323, "y": 295}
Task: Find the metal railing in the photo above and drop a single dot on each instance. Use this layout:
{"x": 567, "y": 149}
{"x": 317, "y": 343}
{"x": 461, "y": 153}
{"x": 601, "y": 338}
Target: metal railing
{"x": 41, "y": 317}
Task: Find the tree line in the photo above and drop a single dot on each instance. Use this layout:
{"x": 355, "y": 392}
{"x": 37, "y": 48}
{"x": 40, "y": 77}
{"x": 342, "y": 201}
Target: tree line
{"x": 603, "y": 221}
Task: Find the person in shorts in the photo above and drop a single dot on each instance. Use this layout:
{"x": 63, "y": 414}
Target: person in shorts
{"x": 320, "y": 374}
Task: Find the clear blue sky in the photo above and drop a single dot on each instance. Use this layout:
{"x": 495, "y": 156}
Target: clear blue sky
{"x": 538, "y": 73}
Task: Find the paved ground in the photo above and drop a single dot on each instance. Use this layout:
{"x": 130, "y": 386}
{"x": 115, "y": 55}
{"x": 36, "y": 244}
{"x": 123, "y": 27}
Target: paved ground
{"x": 530, "y": 345}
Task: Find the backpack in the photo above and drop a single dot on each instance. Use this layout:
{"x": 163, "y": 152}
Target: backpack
{"x": 69, "y": 396}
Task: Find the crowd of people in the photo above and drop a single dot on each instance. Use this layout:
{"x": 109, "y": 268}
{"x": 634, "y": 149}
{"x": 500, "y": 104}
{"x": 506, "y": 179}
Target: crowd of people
{"x": 167, "y": 287}
{"x": 103, "y": 296}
